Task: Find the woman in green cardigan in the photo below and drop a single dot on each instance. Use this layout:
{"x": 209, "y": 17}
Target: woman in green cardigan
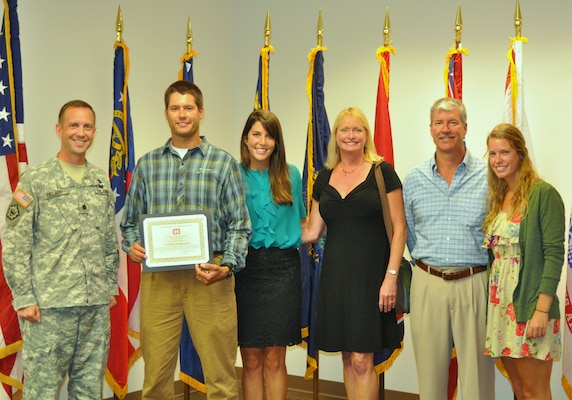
{"x": 524, "y": 232}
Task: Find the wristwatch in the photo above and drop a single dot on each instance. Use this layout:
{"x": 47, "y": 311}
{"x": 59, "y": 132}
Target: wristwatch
{"x": 392, "y": 271}
{"x": 231, "y": 268}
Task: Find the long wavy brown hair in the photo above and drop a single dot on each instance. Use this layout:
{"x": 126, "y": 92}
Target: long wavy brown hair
{"x": 498, "y": 187}
{"x": 278, "y": 171}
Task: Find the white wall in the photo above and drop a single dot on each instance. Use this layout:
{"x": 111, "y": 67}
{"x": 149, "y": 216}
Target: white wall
{"x": 67, "y": 52}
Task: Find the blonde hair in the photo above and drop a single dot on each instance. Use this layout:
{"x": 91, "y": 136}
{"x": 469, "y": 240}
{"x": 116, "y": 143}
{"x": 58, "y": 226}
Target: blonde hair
{"x": 498, "y": 187}
{"x": 370, "y": 154}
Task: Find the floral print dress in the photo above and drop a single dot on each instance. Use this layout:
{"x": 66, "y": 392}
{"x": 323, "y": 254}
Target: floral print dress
{"x": 505, "y": 336}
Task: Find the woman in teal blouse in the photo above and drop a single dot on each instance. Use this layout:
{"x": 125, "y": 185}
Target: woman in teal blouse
{"x": 269, "y": 288}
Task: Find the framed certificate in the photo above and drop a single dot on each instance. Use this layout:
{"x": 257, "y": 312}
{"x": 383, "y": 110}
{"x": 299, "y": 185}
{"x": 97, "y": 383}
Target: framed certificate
{"x": 175, "y": 241}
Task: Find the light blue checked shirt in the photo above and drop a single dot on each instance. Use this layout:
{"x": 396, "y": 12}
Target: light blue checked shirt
{"x": 207, "y": 178}
{"x": 444, "y": 223}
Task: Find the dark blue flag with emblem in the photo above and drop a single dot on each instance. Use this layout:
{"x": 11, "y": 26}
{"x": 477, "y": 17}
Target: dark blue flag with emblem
{"x": 190, "y": 364}
{"x": 13, "y": 160}
{"x": 124, "y": 343}
{"x": 316, "y": 151}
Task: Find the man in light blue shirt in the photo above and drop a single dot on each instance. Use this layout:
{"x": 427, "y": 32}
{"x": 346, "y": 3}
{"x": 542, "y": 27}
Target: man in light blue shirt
{"x": 445, "y": 204}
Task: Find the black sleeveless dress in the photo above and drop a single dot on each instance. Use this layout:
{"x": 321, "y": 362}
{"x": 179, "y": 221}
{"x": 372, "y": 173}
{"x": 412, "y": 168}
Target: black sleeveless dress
{"x": 354, "y": 265}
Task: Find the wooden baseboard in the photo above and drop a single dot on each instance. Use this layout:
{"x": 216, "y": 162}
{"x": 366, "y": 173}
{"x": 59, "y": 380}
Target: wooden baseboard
{"x": 328, "y": 390}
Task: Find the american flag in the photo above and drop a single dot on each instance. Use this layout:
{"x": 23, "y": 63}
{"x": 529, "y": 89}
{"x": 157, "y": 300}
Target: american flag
{"x": 13, "y": 160}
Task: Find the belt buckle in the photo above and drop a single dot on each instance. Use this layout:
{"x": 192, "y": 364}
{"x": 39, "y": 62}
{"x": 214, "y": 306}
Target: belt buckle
{"x": 449, "y": 276}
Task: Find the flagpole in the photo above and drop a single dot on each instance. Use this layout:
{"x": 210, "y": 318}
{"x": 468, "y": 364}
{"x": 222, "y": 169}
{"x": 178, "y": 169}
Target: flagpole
{"x": 267, "y": 30}
{"x": 386, "y": 43}
{"x": 189, "y": 36}
{"x": 518, "y": 32}
{"x": 119, "y": 26}
{"x": 517, "y": 20}
{"x": 187, "y": 387}
{"x": 319, "y": 37}
{"x": 458, "y": 28}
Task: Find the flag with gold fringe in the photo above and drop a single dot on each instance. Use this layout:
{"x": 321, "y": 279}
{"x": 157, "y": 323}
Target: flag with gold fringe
{"x": 187, "y": 62}
{"x": 261, "y": 99}
{"x": 191, "y": 370}
{"x": 382, "y": 137}
{"x": 567, "y": 331}
{"x": 454, "y": 73}
{"x": 514, "y": 111}
{"x": 124, "y": 343}
{"x": 454, "y": 89}
{"x": 384, "y": 146}
{"x": 311, "y": 256}
{"x": 13, "y": 161}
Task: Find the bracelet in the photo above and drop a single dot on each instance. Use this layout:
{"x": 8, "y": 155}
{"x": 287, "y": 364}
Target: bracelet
{"x": 545, "y": 312}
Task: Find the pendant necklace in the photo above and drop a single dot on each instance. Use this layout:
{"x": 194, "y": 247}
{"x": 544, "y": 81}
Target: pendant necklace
{"x": 346, "y": 172}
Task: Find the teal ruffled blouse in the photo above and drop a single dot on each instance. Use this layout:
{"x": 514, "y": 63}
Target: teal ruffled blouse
{"x": 273, "y": 225}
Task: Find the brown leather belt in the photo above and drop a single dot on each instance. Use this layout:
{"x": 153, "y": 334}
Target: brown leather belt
{"x": 451, "y": 276}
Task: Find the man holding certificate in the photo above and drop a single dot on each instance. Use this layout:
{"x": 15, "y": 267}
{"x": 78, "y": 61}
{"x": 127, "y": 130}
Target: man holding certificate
{"x": 187, "y": 176}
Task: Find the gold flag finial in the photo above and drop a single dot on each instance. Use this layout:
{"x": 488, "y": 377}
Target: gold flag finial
{"x": 458, "y": 28}
{"x": 189, "y": 36}
{"x": 119, "y": 26}
{"x": 320, "y": 28}
{"x": 267, "y": 30}
{"x": 386, "y": 29}
{"x": 517, "y": 19}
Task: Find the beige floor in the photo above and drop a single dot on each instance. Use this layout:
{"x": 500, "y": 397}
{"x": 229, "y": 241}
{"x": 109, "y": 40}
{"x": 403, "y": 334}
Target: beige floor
{"x": 292, "y": 395}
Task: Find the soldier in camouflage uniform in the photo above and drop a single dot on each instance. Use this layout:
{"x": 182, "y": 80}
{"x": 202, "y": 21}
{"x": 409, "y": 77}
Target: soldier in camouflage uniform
{"x": 60, "y": 256}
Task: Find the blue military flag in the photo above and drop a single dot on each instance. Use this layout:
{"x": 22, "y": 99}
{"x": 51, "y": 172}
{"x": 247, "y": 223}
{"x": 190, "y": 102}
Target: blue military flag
{"x": 124, "y": 343}
{"x": 316, "y": 151}
{"x": 186, "y": 72}
{"x": 191, "y": 369}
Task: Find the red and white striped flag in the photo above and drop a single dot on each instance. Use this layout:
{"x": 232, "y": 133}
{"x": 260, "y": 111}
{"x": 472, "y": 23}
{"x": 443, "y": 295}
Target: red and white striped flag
{"x": 13, "y": 160}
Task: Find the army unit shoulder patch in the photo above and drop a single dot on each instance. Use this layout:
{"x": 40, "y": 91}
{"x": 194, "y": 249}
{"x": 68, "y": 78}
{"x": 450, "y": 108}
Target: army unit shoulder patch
{"x": 12, "y": 213}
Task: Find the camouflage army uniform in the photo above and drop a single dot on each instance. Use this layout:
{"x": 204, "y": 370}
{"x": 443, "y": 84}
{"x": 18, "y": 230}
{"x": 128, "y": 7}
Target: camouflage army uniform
{"x": 60, "y": 251}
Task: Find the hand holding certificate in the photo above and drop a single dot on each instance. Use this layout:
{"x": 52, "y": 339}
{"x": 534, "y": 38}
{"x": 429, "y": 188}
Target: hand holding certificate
{"x": 176, "y": 241}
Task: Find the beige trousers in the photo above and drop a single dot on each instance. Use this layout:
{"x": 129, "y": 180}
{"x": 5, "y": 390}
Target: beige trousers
{"x": 168, "y": 297}
{"x": 446, "y": 314}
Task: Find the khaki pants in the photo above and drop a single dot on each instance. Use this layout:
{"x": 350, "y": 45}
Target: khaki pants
{"x": 167, "y": 297}
{"x": 444, "y": 313}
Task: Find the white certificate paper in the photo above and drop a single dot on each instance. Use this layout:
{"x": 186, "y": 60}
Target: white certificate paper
{"x": 176, "y": 241}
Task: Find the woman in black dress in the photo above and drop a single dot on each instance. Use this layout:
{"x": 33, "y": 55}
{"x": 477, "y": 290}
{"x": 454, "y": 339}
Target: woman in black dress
{"x": 356, "y": 300}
